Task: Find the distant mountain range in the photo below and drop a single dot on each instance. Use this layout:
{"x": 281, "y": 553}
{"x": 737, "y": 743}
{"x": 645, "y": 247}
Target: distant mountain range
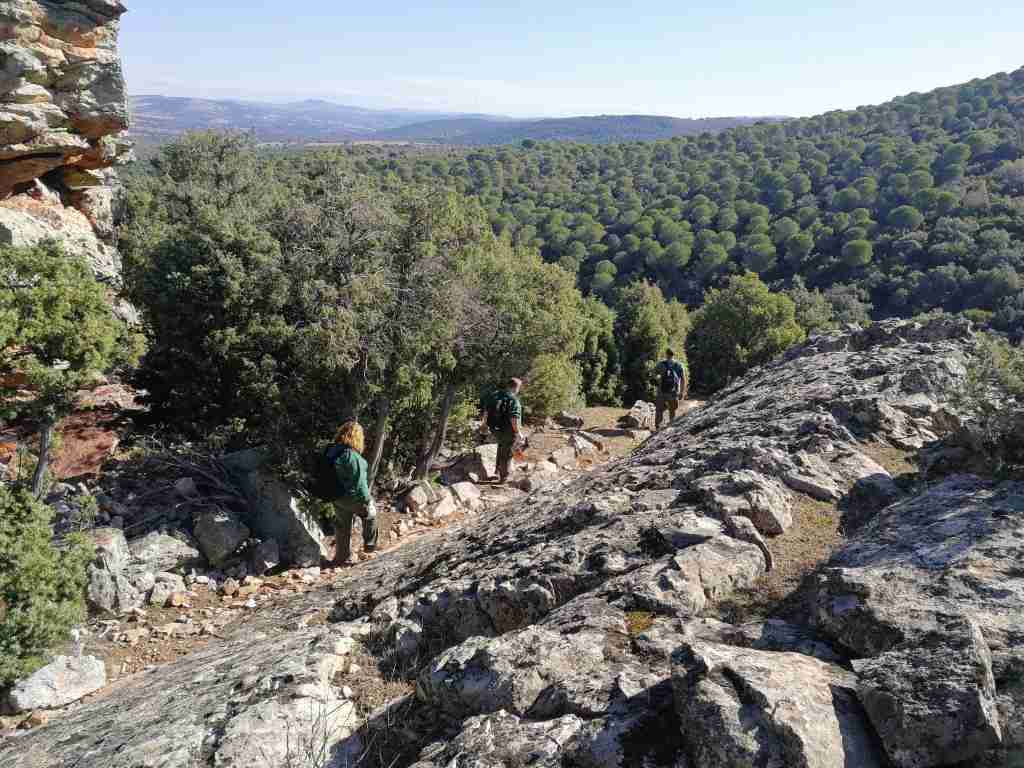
{"x": 596, "y": 129}
{"x": 157, "y": 119}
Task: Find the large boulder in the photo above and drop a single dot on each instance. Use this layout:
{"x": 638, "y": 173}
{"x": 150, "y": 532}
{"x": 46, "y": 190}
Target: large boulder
{"x": 160, "y": 551}
{"x": 228, "y": 688}
{"x": 503, "y": 739}
{"x": 953, "y": 549}
{"x": 165, "y": 587}
{"x": 510, "y": 673}
{"x": 764, "y": 500}
{"x": 479, "y": 464}
{"x": 219, "y": 533}
{"x": 275, "y": 513}
{"x": 109, "y": 586}
{"x": 933, "y": 701}
{"x": 64, "y": 680}
{"x": 287, "y": 732}
{"x": 417, "y": 498}
{"x": 111, "y": 548}
{"x": 744, "y": 707}
{"x": 910, "y": 593}
{"x": 467, "y": 495}
{"x": 640, "y": 416}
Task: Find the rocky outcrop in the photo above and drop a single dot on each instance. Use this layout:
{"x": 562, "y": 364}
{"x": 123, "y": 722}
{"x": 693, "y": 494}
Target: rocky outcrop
{"x": 933, "y": 702}
{"x": 274, "y": 513}
{"x": 63, "y": 114}
{"x": 63, "y": 92}
{"x": 739, "y": 706}
{"x": 62, "y": 681}
{"x": 576, "y": 625}
{"x": 929, "y": 596}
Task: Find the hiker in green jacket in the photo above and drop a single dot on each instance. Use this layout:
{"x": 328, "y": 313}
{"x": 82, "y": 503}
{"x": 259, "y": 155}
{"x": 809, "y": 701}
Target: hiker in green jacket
{"x": 355, "y": 501}
{"x": 503, "y": 415}
{"x": 671, "y": 388}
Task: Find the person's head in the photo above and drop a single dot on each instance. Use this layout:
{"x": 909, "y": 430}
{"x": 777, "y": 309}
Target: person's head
{"x": 514, "y": 385}
{"x": 670, "y": 354}
{"x": 350, "y": 434}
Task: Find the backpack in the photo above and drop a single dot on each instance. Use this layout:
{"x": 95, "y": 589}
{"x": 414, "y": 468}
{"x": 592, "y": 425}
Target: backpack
{"x": 670, "y": 380}
{"x": 325, "y": 480}
{"x": 499, "y": 413}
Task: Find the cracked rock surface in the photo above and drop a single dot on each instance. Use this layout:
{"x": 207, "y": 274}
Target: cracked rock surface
{"x": 573, "y": 626}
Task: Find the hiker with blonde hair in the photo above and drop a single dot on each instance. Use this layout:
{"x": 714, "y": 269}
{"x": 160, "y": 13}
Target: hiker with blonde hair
{"x": 352, "y": 498}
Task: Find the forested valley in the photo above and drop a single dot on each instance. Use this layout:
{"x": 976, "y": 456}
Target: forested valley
{"x": 393, "y": 281}
{"x": 893, "y": 210}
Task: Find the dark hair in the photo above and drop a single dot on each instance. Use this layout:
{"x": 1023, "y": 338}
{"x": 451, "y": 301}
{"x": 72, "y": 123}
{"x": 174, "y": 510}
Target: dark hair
{"x": 669, "y": 353}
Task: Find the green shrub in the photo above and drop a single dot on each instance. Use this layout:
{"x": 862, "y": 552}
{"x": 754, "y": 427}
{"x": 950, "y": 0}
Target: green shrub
{"x": 553, "y": 385}
{"x": 814, "y": 312}
{"x": 992, "y": 400}
{"x": 58, "y": 332}
{"x": 980, "y": 317}
{"x": 41, "y": 588}
{"x": 646, "y": 325}
{"x": 739, "y": 326}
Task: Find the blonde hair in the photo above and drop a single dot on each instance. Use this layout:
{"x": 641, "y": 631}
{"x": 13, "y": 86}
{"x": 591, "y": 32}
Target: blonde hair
{"x": 351, "y": 434}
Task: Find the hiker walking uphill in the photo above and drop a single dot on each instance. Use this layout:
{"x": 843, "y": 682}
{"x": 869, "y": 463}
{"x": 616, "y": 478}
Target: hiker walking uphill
{"x": 351, "y": 497}
{"x": 503, "y": 415}
{"x": 671, "y": 387}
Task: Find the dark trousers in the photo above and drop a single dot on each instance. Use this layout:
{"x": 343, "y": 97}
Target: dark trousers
{"x": 344, "y": 511}
{"x": 505, "y": 445}
{"x": 663, "y": 403}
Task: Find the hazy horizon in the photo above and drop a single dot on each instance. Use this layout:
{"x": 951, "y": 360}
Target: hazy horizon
{"x": 543, "y": 61}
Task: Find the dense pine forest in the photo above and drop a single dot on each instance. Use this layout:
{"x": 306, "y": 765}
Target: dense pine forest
{"x": 912, "y": 206}
{"x": 396, "y": 281}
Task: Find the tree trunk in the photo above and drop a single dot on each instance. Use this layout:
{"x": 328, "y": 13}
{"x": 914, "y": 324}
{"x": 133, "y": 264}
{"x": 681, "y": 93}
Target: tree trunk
{"x": 440, "y": 433}
{"x": 45, "y": 437}
{"x": 379, "y": 433}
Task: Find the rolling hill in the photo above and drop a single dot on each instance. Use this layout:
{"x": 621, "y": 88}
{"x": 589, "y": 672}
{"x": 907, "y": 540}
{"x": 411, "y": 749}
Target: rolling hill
{"x": 597, "y": 129}
{"x": 157, "y": 119}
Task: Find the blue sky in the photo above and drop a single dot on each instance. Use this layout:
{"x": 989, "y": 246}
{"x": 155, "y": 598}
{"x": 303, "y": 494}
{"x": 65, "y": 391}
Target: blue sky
{"x": 564, "y": 57}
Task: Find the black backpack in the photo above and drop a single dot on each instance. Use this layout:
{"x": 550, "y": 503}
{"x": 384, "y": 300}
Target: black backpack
{"x": 325, "y": 480}
{"x": 670, "y": 381}
{"x": 499, "y": 415}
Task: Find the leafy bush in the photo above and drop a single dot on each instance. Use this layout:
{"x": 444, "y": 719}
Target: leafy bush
{"x": 282, "y": 298}
{"x": 41, "y": 588}
{"x": 814, "y": 312}
{"x": 599, "y": 359}
{"x": 739, "y": 326}
{"x": 992, "y": 399}
{"x": 57, "y": 332}
{"x": 553, "y": 385}
{"x": 645, "y": 327}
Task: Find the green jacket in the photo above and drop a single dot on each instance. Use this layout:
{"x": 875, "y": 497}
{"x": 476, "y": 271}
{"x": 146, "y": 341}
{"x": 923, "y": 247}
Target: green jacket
{"x": 516, "y": 410}
{"x": 353, "y": 474}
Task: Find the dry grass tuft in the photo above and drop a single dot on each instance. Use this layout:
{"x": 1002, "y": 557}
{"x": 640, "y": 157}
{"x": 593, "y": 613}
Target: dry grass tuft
{"x": 811, "y": 540}
{"x": 638, "y": 622}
